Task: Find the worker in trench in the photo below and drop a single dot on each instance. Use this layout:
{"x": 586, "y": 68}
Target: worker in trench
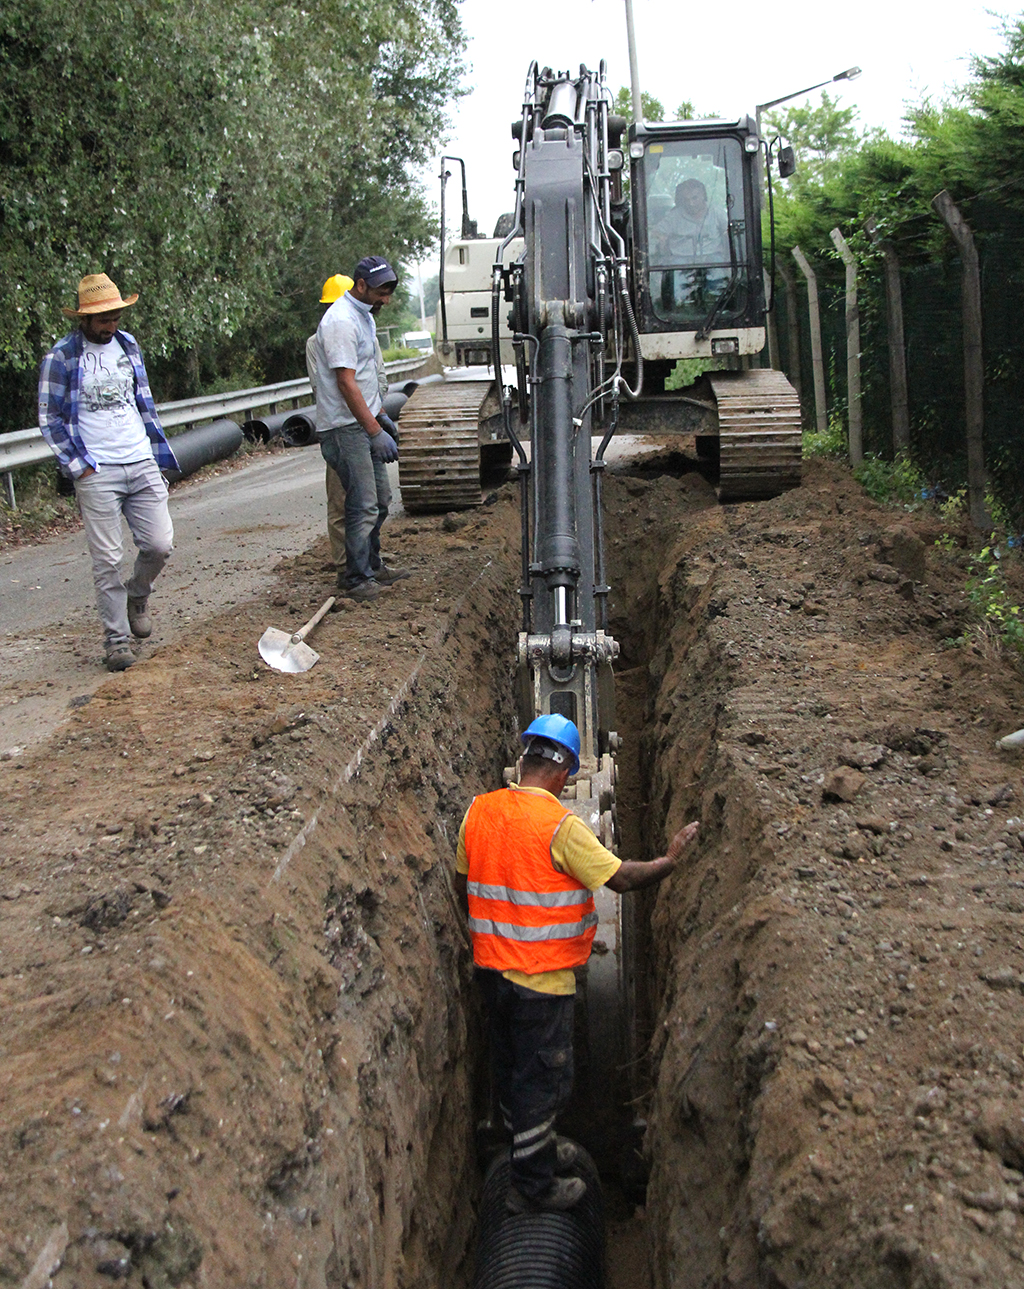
{"x": 526, "y": 868}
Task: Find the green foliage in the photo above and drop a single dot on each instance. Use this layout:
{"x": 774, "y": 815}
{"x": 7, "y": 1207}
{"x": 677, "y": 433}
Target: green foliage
{"x": 897, "y": 481}
{"x": 821, "y": 135}
{"x": 688, "y": 370}
{"x": 400, "y": 354}
{"x": 222, "y": 159}
{"x": 999, "y": 620}
{"x": 829, "y": 443}
{"x": 431, "y": 293}
{"x": 652, "y": 108}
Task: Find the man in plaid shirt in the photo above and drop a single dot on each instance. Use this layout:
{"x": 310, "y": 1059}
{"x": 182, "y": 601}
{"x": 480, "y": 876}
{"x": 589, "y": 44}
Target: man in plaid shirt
{"x": 96, "y": 412}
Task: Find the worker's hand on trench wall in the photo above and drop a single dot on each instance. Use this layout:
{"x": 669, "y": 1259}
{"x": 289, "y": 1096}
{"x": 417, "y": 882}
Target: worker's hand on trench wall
{"x": 681, "y": 840}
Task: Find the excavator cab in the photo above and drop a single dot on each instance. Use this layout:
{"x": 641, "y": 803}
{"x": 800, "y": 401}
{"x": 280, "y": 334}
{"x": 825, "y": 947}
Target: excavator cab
{"x": 696, "y": 238}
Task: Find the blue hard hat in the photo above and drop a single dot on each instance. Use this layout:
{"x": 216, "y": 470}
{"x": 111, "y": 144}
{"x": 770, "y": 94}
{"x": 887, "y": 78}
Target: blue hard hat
{"x": 557, "y": 729}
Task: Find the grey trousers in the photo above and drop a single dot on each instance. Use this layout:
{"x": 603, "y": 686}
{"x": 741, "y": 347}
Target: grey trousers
{"x": 346, "y": 449}
{"x": 138, "y": 492}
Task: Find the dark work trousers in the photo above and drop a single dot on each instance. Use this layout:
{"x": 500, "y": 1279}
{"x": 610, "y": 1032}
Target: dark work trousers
{"x": 531, "y": 1065}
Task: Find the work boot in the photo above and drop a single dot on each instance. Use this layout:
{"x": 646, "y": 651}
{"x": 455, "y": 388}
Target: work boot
{"x": 569, "y": 1155}
{"x": 119, "y": 657}
{"x": 563, "y": 1194}
{"x": 386, "y": 575}
{"x": 138, "y": 618}
{"x": 365, "y": 591}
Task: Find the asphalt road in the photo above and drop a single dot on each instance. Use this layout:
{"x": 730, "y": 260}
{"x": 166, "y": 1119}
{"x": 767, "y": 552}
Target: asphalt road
{"x": 230, "y": 530}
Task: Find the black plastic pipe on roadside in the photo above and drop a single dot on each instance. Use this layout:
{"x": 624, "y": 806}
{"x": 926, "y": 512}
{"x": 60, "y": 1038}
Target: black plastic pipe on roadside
{"x": 299, "y": 428}
{"x": 267, "y": 427}
{"x": 202, "y": 446}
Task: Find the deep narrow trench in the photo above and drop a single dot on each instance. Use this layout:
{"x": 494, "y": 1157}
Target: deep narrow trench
{"x": 648, "y": 505}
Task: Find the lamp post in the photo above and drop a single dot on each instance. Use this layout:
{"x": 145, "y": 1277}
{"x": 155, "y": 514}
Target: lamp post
{"x": 850, "y": 74}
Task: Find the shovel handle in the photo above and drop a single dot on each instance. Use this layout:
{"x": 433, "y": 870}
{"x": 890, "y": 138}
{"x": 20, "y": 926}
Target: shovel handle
{"x": 302, "y": 632}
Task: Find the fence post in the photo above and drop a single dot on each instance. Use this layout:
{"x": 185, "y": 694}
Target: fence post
{"x": 852, "y": 350}
{"x": 974, "y": 375}
{"x": 792, "y": 327}
{"x": 820, "y": 412}
{"x": 898, "y": 399}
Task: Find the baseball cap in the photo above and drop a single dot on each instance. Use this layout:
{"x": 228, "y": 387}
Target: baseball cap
{"x": 375, "y": 271}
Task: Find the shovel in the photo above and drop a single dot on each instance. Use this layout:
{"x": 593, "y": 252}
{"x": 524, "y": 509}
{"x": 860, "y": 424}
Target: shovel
{"x": 286, "y": 652}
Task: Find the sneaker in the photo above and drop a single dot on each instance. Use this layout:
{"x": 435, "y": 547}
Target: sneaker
{"x": 563, "y": 1193}
{"x": 388, "y": 574}
{"x": 138, "y": 619}
{"x": 363, "y": 591}
{"x": 119, "y": 657}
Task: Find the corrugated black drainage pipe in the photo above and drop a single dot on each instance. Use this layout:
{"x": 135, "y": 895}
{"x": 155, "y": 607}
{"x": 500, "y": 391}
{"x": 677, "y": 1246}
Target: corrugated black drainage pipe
{"x": 299, "y": 430}
{"x": 204, "y": 445}
{"x": 266, "y": 427}
{"x": 540, "y": 1250}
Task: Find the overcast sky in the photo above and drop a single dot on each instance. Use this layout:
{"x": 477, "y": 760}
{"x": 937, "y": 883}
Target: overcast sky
{"x": 725, "y": 60}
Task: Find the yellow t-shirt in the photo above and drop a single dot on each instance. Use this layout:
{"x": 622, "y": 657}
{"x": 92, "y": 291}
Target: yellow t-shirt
{"x": 576, "y": 851}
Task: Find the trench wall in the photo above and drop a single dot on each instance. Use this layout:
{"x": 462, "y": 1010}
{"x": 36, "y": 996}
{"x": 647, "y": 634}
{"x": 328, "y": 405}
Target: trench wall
{"x": 236, "y": 1047}
{"x": 831, "y": 1089}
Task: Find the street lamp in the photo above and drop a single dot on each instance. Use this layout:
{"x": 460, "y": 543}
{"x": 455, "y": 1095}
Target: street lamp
{"x": 850, "y": 74}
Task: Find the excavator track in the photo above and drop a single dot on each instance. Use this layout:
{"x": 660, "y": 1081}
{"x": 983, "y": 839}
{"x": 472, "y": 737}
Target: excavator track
{"x": 759, "y": 433}
{"x": 439, "y": 459}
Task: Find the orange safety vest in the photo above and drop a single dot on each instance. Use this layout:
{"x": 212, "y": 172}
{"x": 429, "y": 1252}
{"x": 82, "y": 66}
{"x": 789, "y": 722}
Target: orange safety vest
{"x": 524, "y": 915}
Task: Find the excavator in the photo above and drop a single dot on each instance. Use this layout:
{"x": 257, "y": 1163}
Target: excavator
{"x": 631, "y": 246}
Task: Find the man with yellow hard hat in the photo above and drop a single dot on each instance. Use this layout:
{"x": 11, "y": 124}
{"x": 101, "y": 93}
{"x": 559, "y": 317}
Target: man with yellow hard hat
{"x": 334, "y": 288}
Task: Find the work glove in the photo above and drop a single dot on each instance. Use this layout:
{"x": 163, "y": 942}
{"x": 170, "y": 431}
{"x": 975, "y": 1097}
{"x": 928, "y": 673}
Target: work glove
{"x": 386, "y": 423}
{"x": 383, "y": 447}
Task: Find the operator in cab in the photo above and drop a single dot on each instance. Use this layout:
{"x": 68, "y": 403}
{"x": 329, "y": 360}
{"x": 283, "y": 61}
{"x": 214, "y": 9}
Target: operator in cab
{"x": 691, "y": 232}
{"x": 526, "y": 868}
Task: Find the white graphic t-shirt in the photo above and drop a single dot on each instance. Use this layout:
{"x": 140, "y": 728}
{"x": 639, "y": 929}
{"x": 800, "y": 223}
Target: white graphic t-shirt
{"x": 108, "y": 420}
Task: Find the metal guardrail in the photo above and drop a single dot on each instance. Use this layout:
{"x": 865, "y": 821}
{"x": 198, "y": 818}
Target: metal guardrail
{"x": 28, "y": 447}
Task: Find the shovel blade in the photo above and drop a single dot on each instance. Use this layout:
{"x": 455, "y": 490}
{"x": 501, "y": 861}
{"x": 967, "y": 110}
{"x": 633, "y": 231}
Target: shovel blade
{"x": 277, "y": 651}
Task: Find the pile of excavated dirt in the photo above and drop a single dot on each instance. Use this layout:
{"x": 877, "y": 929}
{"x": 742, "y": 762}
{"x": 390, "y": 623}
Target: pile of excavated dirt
{"x": 238, "y": 1043}
{"x": 836, "y": 989}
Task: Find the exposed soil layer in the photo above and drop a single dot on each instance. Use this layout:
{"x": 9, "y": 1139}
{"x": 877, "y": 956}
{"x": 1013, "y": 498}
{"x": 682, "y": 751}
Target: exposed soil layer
{"x": 237, "y": 1048}
{"x": 234, "y": 1049}
{"x": 837, "y": 976}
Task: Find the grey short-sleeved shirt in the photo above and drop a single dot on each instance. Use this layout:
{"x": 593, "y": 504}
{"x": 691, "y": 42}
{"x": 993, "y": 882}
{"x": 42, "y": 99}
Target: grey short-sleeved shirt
{"x": 346, "y": 337}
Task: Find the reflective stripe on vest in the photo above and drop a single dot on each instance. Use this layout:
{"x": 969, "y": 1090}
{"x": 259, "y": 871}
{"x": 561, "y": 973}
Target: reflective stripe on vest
{"x": 548, "y": 900}
{"x": 524, "y": 914}
{"x": 531, "y": 934}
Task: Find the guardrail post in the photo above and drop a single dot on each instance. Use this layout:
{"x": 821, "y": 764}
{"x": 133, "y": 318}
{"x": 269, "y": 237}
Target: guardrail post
{"x": 9, "y": 476}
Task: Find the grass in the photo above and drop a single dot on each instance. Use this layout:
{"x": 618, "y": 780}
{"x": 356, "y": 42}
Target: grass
{"x": 999, "y": 621}
{"x": 892, "y": 482}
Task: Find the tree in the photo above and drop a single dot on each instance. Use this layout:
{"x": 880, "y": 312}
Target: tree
{"x": 651, "y": 107}
{"x": 821, "y": 135}
{"x": 222, "y": 159}
{"x": 431, "y": 293}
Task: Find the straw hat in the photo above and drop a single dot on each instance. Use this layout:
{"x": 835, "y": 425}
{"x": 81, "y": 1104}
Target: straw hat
{"x": 97, "y": 294}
